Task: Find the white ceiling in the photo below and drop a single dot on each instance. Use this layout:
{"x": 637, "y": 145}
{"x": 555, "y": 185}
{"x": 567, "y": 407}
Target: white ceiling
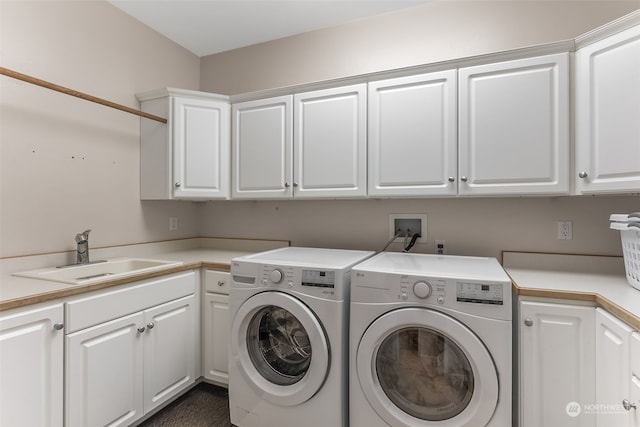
{"x": 205, "y": 27}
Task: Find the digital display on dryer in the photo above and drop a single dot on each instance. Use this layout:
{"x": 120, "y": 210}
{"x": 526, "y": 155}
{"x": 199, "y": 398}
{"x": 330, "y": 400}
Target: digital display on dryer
{"x": 318, "y": 278}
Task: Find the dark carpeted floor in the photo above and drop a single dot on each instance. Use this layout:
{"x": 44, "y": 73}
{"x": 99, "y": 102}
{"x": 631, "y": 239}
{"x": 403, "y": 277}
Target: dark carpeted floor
{"x": 205, "y": 405}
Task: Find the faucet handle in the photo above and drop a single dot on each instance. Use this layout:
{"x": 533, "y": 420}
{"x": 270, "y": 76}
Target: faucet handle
{"x": 82, "y": 237}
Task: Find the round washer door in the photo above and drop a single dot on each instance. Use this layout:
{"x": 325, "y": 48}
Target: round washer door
{"x": 419, "y": 367}
{"x": 281, "y": 348}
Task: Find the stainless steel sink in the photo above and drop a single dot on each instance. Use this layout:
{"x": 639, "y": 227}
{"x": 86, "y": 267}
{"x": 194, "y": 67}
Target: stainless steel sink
{"x": 85, "y": 274}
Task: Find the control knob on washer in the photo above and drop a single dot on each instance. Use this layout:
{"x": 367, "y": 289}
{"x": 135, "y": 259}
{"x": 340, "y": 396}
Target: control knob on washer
{"x": 421, "y": 289}
{"x": 276, "y": 276}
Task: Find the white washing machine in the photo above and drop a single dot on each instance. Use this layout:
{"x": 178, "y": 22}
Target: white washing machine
{"x": 430, "y": 342}
{"x": 288, "y": 364}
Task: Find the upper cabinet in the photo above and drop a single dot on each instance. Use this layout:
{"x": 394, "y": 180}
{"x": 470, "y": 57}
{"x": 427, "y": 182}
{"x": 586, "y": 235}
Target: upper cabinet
{"x": 514, "y": 127}
{"x": 308, "y": 145}
{"x": 261, "y": 149}
{"x": 607, "y": 103}
{"x": 413, "y": 136}
{"x": 330, "y": 143}
{"x": 187, "y": 158}
{"x": 478, "y": 129}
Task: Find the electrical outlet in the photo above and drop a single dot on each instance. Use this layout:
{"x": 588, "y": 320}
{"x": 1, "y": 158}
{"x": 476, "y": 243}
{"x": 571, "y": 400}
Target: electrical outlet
{"x": 441, "y": 247}
{"x": 408, "y": 224}
{"x": 565, "y": 230}
{"x": 173, "y": 223}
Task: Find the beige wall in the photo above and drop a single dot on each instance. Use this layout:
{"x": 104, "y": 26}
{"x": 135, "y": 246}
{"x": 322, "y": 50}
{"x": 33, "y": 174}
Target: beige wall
{"x": 481, "y": 227}
{"x": 438, "y": 31}
{"x": 434, "y": 32}
{"x": 67, "y": 164}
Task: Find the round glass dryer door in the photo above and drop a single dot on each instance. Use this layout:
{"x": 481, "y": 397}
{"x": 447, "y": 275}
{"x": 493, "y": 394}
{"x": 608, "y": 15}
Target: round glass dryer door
{"x": 281, "y": 348}
{"x": 419, "y": 367}
{"x": 424, "y": 373}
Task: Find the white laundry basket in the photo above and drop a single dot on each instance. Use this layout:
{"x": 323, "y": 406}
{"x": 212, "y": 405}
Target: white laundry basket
{"x": 629, "y": 227}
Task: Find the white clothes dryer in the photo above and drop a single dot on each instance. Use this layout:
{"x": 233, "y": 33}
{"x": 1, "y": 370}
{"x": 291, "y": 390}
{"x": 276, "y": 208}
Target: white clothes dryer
{"x": 430, "y": 342}
{"x": 288, "y": 363}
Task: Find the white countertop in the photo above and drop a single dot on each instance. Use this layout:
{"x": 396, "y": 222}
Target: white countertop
{"x": 192, "y": 253}
{"x": 599, "y": 279}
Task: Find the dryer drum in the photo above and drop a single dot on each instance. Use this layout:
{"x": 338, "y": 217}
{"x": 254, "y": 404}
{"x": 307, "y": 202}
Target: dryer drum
{"x": 424, "y": 373}
{"x": 278, "y": 345}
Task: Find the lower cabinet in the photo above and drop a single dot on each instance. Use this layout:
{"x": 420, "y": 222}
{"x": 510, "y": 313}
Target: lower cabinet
{"x": 31, "y": 367}
{"x": 579, "y": 366}
{"x": 118, "y": 370}
{"x": 557, "y": 364}
{"x": 634, "y": 381}
{"x": 613, "y": 370}
{"x": 217, "y": 323}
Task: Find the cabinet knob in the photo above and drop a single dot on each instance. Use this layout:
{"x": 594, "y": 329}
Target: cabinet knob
{"x": 220, "y": 283}
{"x": 151, "y": 325}
{"x": 528, "y": 322}
{"x": 287, "y": 185}
{"x": 177, "y": 184}
{"x": 583, "y": 174}
{"x": 141, "y": 329}
{"x": 452, "y": 179}
{"x": 464, "y": 179}
{"x": 58, "y": 326}
{"x": 295, "y": 184}
{"x": 626, "y": 404}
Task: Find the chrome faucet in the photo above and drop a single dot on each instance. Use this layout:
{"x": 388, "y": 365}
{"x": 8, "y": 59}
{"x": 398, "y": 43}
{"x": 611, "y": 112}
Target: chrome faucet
{"x": 82, "y": 239}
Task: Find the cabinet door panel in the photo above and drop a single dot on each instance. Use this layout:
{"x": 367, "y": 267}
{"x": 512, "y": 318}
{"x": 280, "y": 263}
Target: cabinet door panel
{"x": 514, "y": 127}
{"x": 201, "y": 148}
{"x": 612, "y": 368}
{"x": 31, "y": 368}
{"x": 607, "y": 111}
{"x": 169, "y": 350}
{"x": 413, "y": 135}
{"x": 262, "y": 146}
{"x": 557, "y": 363}
{"x": 216, "y": 337}
{"x": 330, "y": 143}
{"x": 103, "y": 375}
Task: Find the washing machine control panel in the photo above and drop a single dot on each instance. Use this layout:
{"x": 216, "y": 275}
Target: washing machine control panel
{"x": 323, "y": 283}
{"x": 420, "y": 289}
{"x": 479, "y": 293}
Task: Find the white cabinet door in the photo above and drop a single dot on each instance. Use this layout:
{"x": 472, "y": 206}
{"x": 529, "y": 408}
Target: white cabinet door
{"x": 216, "y": 337}
{"x": 189, "y": 156}
{"x": 217, "y": 324}
{"x": 557, "y": 364}
{"x": 413, "y": 140}
{"x": 169, "y": 350}
{"x": 330, "y": 143}
{"x": 514, "y": 127}
{"x": 103, "y": 371}
{"x": 31, "y": 367}
{"x": 607, "y": 112}
{"x": 261, "y": 148}
{"x": 634, "y": 384}
{"x": 200, "y": 149}
{"x": 612, "y": 368}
